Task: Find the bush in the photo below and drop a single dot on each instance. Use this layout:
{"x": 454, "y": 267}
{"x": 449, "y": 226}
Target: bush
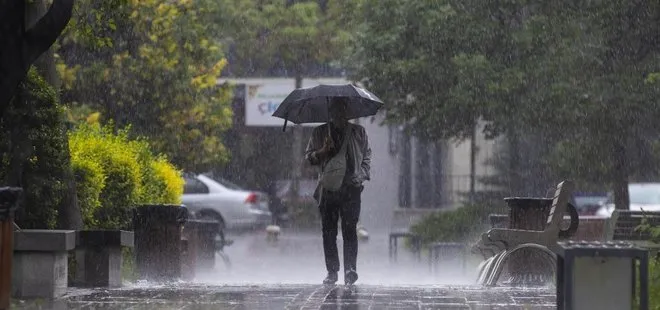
{"x": 459, "y": 225}
{"x": 115, "y": 173}
{"x": 654, "y": 284}
{"x": 37, "y": 120}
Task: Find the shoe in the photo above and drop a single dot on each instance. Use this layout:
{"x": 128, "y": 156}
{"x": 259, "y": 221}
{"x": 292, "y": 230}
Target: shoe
{"x": 350, "y": 277}
{"x": 331, "y": 278}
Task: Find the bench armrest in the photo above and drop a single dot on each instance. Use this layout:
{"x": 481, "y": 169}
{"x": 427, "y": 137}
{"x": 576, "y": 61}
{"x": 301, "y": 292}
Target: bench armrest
{"x": 515, "y": 237}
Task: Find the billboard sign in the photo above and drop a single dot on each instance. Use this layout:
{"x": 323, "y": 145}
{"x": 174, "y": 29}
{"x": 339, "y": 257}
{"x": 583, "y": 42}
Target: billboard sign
{"x": 263, "y": 96}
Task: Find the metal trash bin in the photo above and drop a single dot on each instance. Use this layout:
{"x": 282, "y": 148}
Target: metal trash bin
{"x": 595, "y": 275}
{"x": 157, "y": 230}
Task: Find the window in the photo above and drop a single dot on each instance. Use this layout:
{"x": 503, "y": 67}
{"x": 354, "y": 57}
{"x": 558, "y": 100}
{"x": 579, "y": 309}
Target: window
{"x": 194, "y": 186}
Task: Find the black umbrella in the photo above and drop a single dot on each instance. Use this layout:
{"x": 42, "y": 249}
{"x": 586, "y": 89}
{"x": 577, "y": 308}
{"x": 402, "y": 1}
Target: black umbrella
{"x": 311, "y": 105}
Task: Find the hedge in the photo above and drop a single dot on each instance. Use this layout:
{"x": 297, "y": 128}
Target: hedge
{"x": 114, "y": 173}
{"x": 35, "y": 117}
{"x": 463, "y": 224}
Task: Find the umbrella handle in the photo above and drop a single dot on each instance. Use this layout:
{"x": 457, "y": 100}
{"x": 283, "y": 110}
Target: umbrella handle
{"x": 284, "y": 127}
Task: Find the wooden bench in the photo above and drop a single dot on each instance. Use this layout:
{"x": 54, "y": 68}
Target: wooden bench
{"x": 624, "y": 225}
{"x": 414, "y": 238}
{"x": 503, "y": 241}
{"x": 498, "y": 220}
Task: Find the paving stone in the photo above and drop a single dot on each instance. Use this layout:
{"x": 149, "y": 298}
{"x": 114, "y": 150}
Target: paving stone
{"x": 202, "y": 297}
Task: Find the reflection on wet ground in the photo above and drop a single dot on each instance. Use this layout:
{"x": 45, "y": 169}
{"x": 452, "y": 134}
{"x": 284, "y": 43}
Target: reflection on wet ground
{"x": 359, "y": 297}
{"x": 286, "y": 275}
{"x": 297, "y": 258}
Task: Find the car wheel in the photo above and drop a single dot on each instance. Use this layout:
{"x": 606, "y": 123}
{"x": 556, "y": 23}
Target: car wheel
{"x": 220, "y": 238}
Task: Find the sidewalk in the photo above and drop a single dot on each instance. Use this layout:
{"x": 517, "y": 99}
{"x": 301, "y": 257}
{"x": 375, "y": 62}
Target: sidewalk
{"x": 285, "y": 275}
{"x": 360, "y": 297}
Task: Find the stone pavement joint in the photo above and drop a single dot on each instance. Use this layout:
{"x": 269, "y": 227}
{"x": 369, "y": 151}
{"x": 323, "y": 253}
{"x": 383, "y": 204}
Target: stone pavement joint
{"x": 358, "y": 297}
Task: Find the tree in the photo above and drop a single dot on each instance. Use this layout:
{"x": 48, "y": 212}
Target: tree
{"x": 27, "y": 31}
{"x": 285, "y": 38}
{"x": 445, "y": 66}
{"x": 21, "y": 45}
{"x": 577, "y": 74}
{"x": 615, "y": 108}
{"x": 153, "y": 65}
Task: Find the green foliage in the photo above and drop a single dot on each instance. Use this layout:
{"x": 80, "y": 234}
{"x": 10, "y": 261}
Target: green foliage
{"x": 458, "y": 225}
{"x": 279, "y": 36}
{"x": 152, "y": 65}
{"x": 115, "y": 173}
{"x": 654, "y": 284}
{"x": 39, "y": 119}
{"x": 582, "y": 74}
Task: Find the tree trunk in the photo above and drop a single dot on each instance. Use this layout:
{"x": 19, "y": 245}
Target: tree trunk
{"x": 20, "y": 145}
{"x": 473, "y": 162}
{"x": 620, "y": 176}
{"x": 438, "y": 175}
{"x": 68, "y": 216}
{"x": 515, "y": 186}
{"x": 405, "y": 170}
{"x": 20, "y": 47}
{"x": 45, "y": 64}
{"x": 297, "y": 155}
{"x": 422, "y": 181}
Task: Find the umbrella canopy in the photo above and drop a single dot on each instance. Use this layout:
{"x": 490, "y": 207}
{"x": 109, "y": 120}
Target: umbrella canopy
{"x": 311, "y": 105}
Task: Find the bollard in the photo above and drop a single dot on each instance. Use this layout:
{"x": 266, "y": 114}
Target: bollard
{"x": 99, "y": 258}
{"x": 40, "y": 263}
{"x": 157, "y": 231}
{"x": 9, "y": 197}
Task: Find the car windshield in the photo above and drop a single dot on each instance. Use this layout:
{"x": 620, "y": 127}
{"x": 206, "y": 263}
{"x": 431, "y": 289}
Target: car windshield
{"x": 223, "y": 182}
{"x": 644, "y": 194}
{"x": 582, "y": 201}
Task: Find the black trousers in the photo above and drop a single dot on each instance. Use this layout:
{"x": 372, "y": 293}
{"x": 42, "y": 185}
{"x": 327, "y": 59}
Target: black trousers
{"x": 343, "y": 204}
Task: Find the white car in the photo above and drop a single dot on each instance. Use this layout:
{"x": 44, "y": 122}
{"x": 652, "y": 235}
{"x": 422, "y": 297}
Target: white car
{"x": 206, "y": 196}
{"x": 643, "y": 196}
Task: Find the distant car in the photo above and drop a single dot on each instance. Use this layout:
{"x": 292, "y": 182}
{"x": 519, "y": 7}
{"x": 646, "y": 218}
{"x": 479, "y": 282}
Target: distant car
{"x": 643, "y": 196}
{"x": 588, "y": 203}
{"x": 207, "y": 196}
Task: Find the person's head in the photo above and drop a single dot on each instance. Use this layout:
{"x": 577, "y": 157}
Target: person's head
{"x": 338, "y": 111}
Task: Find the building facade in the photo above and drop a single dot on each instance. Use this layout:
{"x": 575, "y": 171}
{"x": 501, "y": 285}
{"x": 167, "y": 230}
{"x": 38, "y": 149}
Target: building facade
{"x": 410, "y": 177}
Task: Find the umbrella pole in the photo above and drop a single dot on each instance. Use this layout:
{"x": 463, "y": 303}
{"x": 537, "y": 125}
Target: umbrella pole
{"x": 327, "y": 101}
{"x": 284, "y": 127}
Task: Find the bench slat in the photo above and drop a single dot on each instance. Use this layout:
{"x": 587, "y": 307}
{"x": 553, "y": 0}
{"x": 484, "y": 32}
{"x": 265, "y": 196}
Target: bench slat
{"x": 627, "y": 223}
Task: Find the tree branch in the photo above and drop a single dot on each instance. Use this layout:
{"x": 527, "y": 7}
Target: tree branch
{"x": 43, "y": 34}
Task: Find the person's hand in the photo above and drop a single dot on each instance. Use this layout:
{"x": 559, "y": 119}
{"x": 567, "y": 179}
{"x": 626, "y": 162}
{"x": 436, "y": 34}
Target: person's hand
{"x": 328, "y": 146}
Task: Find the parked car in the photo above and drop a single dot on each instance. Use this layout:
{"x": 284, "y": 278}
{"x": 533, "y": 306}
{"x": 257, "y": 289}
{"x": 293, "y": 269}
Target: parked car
{"x": 208, "y": 196}
{"x": 643, "y": 196}
{"x": 588, "y": 203}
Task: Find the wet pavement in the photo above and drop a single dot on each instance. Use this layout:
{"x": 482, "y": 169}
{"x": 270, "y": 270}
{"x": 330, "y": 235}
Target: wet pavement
{"x": 359, "y": 297}
{"x": 285, "y": 275}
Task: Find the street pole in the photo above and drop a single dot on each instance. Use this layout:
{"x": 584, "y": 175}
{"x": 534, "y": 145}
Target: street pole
{"x": 297, "y": 156}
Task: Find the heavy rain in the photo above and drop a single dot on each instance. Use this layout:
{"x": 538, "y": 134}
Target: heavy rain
{"x": 315, "y": 154}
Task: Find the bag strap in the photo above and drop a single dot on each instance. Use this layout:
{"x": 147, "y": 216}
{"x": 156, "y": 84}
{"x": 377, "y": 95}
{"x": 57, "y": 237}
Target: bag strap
{"x": 342, "y": 149}
{"x": 345, "y": 142}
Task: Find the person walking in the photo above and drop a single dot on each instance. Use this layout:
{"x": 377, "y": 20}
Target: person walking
{"x": 339, "y": 137}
